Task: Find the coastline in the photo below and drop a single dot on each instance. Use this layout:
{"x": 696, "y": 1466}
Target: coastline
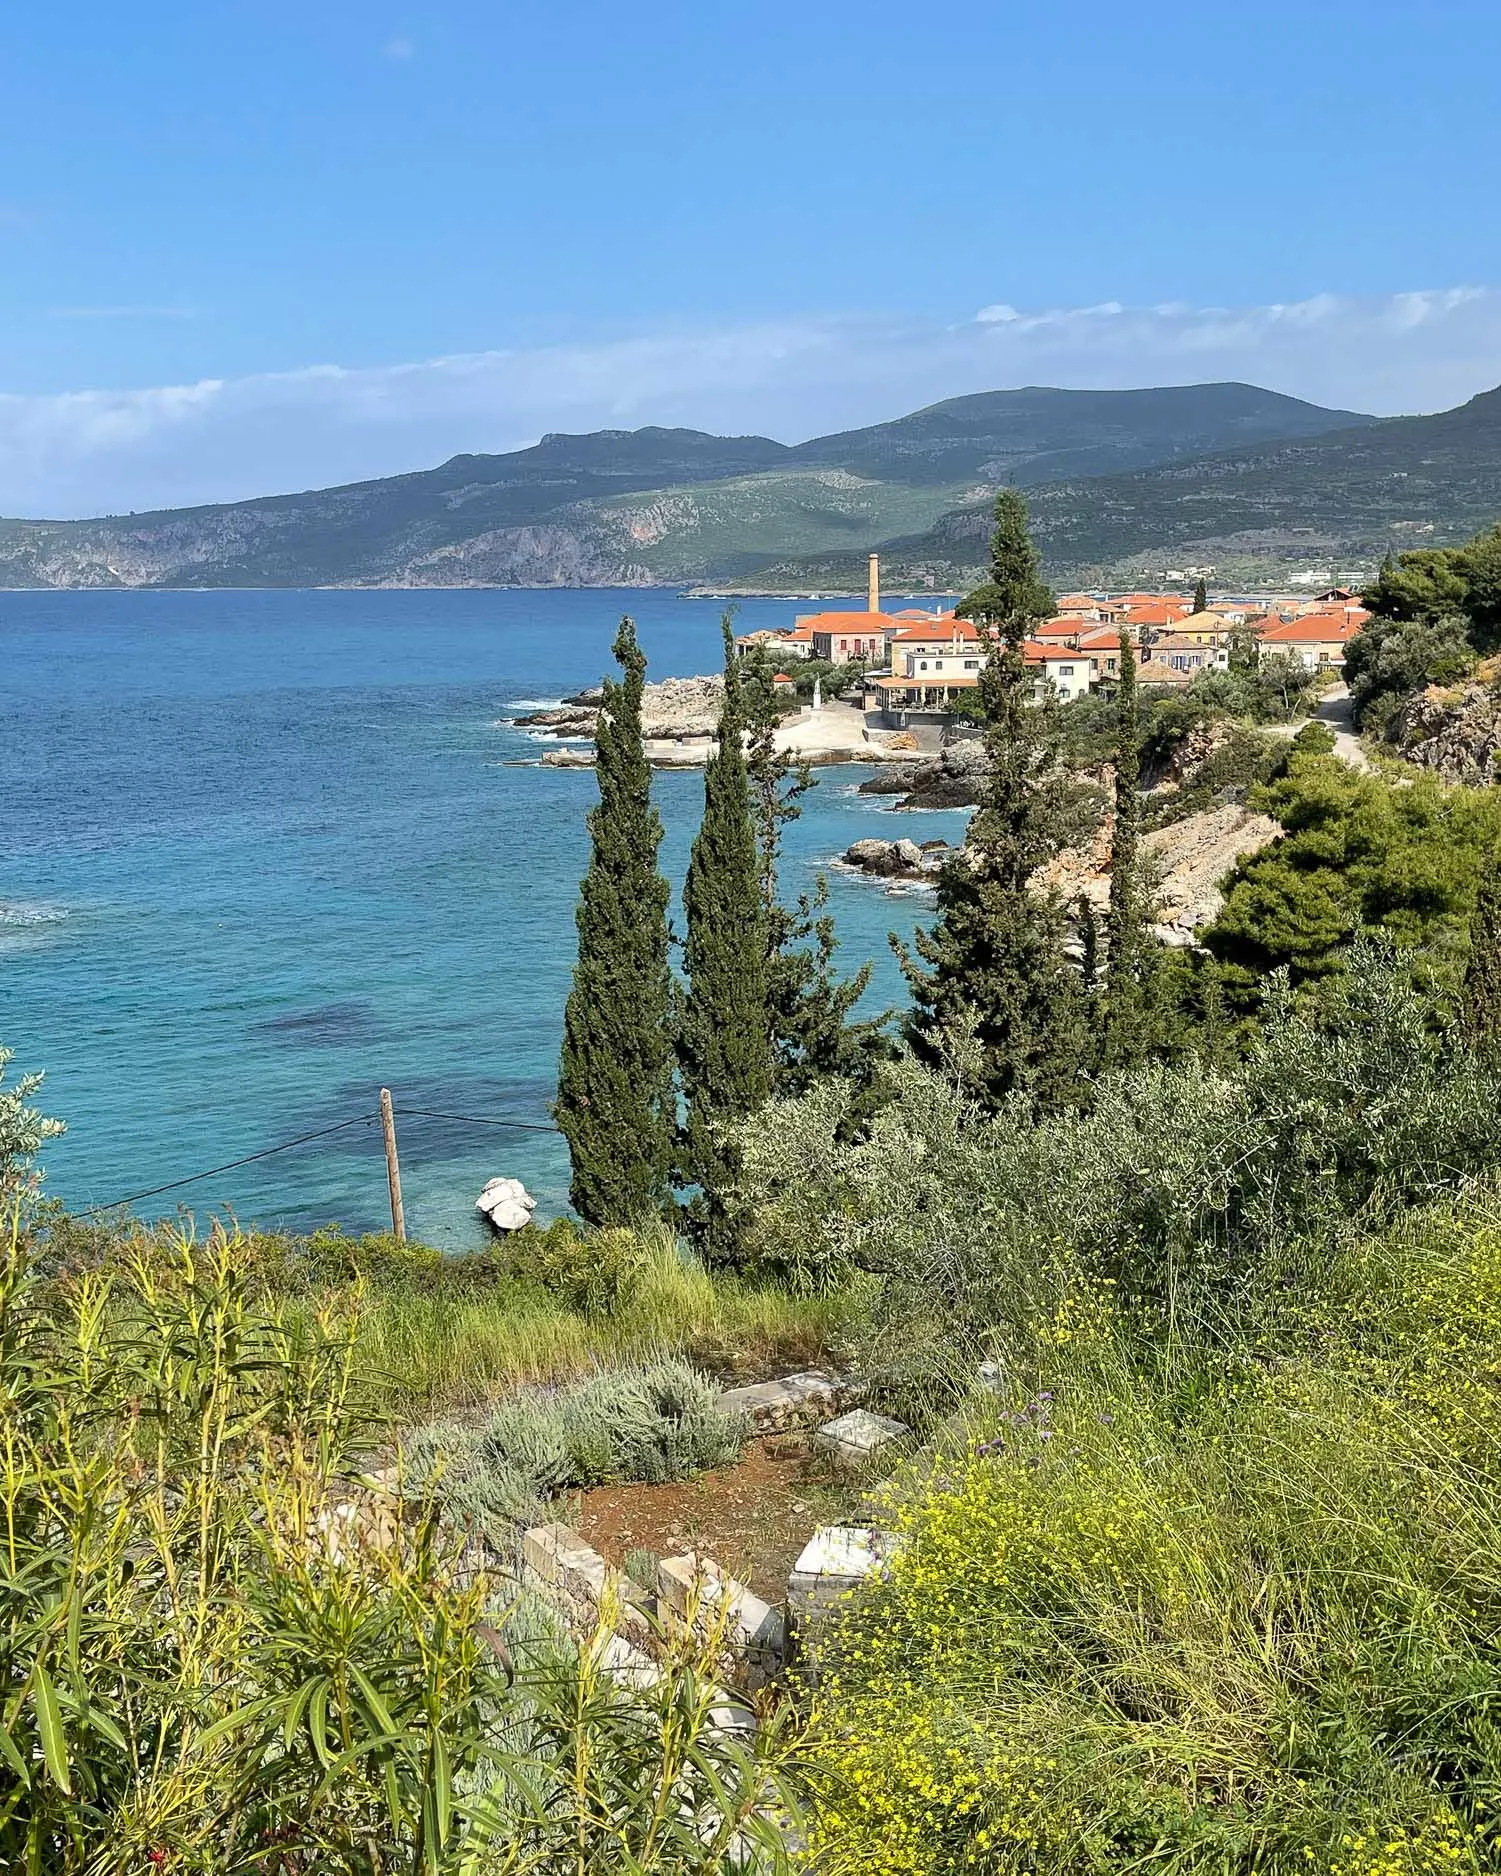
{"x": 678, "y": 715}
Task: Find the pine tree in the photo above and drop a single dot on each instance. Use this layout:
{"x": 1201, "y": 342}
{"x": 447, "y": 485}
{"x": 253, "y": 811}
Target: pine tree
{"x": 1201, "y": 597}
{"x": 615, "y": 1103}
{"x": 1126, "y": 962}
{"x": 998, "y": 1004}
{"x": 1480, "y": 999}
{"x": 725, "y": 1042}
{"x": 810, "y": 1009}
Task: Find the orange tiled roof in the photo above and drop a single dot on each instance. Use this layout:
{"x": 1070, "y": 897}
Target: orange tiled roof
{"x": 1313, "y": 628}
{"x": 1154, "y": 612}
{"x": 846, "y": 622}
{"x": 935, "y": 629}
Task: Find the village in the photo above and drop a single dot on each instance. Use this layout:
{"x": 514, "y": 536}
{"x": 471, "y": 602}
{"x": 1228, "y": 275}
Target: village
{"x": 918, "y": 664}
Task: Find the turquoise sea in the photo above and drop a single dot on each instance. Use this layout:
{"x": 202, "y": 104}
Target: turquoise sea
{"x": 262, "y": 852}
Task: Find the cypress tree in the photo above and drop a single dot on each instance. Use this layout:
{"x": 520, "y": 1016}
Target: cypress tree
{"x": 615, "y": 1103}
{"x": 1089, "y": 943}
{"x": 1480, "y": 999}
{"x": 724, "y": 1042}
{"x": 1201, "y": 597}
{"x": 998, "y": 1004}
{"x": 1126, "y": 959}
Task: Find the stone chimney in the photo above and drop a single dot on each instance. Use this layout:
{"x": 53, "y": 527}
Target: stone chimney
{"x": 874, "y": 604}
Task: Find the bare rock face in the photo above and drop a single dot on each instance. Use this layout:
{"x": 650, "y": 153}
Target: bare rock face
{"x": 1455, "y": 733}
{"x": 952, "y": 779}
{"x": 1189, "y": 858}
{"x": 1186, "y": 758}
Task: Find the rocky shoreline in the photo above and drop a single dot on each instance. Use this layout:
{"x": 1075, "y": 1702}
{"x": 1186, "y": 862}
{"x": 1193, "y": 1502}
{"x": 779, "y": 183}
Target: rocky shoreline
{"x": 679, "y": 719}
{"x": 1189, "y": 858}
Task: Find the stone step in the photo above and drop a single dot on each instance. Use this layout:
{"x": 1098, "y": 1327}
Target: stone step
{"x": 755, "y": 1632}
{"x": 834, "y": 1563}
{"x": 797, "y": 1400}
{"x": 858, "y": 1438}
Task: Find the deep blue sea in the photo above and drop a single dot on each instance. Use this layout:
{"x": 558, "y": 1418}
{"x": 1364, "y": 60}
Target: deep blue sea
{"x": 261, "y": 853}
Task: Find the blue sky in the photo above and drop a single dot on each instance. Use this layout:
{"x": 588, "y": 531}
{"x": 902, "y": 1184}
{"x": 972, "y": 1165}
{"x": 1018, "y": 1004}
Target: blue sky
{"x": 247, "y": 244}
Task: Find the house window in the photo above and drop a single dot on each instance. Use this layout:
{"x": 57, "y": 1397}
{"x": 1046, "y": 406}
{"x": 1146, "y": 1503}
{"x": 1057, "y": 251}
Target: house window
{"x": 923, "y": 665}
{"x": 971, "y": 664}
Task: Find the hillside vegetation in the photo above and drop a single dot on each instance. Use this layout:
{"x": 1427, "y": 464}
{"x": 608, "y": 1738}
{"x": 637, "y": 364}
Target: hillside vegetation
{"x": 1264, "y": 511}
{"x": 632, "y": 507}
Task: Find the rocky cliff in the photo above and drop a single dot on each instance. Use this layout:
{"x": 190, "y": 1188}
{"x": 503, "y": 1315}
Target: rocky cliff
{"x": 1455, "y": 732}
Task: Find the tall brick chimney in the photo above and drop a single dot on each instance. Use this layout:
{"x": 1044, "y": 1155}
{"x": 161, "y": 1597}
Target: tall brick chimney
{"x": 874, "y": 604}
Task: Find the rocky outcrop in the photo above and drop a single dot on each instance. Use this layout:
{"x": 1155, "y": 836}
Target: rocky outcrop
{"x": 951, "y": 779}
{"x": 897, "y": 859}
{"x": 1189, "y": 858}
{"x": 674, "y": 710}
{"x": 507, "y": 1204}
{"x": 1455, "y": 733}
{"x": 1184, "y": 760}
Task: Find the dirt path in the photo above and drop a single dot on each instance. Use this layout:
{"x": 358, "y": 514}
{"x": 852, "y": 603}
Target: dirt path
{"x": 753, "y": 1517}
{"x": 1336, "y": 710}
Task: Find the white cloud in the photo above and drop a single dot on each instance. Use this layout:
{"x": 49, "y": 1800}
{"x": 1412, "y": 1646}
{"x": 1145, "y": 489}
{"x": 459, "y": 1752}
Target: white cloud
{"x": 94, "y": 451}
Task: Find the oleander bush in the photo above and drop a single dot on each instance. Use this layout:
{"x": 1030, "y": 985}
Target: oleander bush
{"x": 225, "y": 1652}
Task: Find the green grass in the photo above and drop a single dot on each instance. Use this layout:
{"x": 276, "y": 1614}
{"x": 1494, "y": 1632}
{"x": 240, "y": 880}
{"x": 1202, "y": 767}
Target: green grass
{"x": 436, "y": 1350}
{"x": 436, "y": 1333}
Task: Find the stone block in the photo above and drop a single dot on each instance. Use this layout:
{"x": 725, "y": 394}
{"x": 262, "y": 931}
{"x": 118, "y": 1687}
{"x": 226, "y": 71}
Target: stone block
{"x": 857, "y": 1438}
{"x": 797, "y": 1400}
{"x": 834, "y": 1562}
{"x": 625, "y": 1663}
{"x": 755, "y": 1640}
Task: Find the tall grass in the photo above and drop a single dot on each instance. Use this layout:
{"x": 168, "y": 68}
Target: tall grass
{"x": 438, "y": 1333}
{"x": 1213, "y": 1609}
{"x": 436, "y": 1350}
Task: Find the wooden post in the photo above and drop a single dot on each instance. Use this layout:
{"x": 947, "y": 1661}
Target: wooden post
{"x": 393, "y": 1167}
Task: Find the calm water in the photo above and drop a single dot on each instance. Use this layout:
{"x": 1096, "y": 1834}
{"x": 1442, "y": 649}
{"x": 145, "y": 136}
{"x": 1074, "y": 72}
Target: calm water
{"x": 262, "y": 852}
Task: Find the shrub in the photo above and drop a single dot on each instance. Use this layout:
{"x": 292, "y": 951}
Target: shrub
{"x": 591, "y": 1271}
{"x": 649, "y": 1423}
{"x": 211, "y": 1662}
{"x": 1236, "y": 1616}
{"x": 1358, "y": 854}
{"x": 1198, "y": 1192}
{"x": 1388, "y": 660}
{"x": 23, "y": 1132}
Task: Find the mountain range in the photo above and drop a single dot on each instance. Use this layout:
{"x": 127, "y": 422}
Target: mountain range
{"x": 1227, "y": 473}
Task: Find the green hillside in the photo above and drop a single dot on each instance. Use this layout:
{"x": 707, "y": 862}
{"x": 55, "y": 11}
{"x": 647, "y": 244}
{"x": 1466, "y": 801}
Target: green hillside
{"x": 1042, "y": 435}
{"x": 1338, "y": 500}
{"x": 655, "y": 505}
